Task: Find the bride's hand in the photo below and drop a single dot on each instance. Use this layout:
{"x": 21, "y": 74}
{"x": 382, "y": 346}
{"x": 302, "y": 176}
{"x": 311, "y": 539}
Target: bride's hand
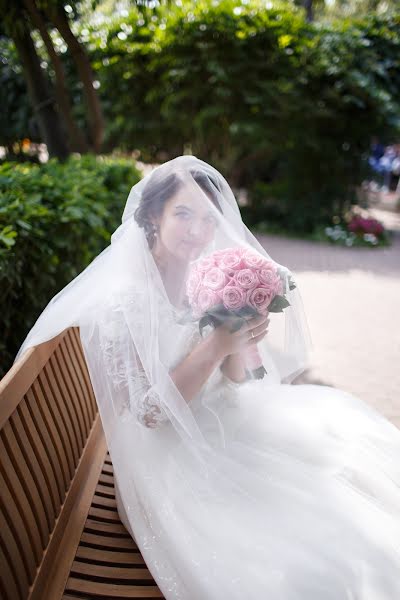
{"x": 252, "y": 332}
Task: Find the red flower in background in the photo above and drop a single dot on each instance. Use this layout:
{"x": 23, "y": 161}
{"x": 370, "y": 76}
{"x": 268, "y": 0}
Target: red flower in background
{"x": 361, "y": 225}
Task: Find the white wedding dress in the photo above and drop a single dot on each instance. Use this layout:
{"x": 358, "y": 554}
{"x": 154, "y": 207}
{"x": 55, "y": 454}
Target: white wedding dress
{"x": 253, "y": 491}
{"x": 322, "y": 471}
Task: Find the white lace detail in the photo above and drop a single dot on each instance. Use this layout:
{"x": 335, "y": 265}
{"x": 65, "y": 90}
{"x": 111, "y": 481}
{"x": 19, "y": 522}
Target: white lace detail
{"x": 147, "y": 403}
{"x": 132, "y": 394}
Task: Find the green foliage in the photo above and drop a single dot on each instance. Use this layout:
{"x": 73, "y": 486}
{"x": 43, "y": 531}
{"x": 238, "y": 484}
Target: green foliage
{"x": 278, "y": 104}
{"x": 54, "y": 219}
{"x": 282, "y": 107}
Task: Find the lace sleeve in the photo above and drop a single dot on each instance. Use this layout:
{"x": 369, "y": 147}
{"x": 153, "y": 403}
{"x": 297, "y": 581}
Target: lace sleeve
{"x": 132, "y": 394}
{"x": 147, "y": 403}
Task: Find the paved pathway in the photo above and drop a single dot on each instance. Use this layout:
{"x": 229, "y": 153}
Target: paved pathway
{"x": 352, "y": 301}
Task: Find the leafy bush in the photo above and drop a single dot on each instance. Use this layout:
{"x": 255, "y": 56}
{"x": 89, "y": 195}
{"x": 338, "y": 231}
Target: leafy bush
{"x": 54, "y": 219}
{"x": 279, "y": 105}
{"x": 268, "y": 98}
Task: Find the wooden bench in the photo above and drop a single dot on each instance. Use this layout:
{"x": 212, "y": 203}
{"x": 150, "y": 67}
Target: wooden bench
{"x": 61, "y": 535}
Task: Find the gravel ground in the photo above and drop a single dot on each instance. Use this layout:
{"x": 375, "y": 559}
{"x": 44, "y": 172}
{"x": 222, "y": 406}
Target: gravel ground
{"x": 352, "y": 301}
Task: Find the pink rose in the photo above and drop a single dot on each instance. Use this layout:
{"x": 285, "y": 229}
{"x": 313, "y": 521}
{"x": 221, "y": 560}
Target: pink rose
{"x": 260, "y": 298}
{"x": 220, "y": 253}
{"x": 267, "y": 274}
{"x": 270, "y": 279}
{"x": 233, "y": 297}
{"x": 247, "y": 279}
{"x": 230, "y": 260}
{"x": 193, "y": 284}
{"x": 215, "y": 279}
{"x": 205, "y": 264}
{"x": 253, "y": 259}
{"x": 205, "y": 300}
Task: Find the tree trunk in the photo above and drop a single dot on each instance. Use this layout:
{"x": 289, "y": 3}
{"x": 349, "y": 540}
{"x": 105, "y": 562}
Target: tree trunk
{"x": 308, "y": 5}
{"x": 77, "y": 140}
{"x": 42, "y": 101}
{"x": 94, "y": 112}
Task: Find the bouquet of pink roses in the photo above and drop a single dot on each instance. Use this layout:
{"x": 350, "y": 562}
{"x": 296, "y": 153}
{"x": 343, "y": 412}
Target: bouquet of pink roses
{"x": 237, "y": 282}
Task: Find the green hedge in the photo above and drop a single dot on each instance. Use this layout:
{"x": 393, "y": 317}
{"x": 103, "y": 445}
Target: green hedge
{"x": 271, "y": 100}
{"x": 54, "y": 219}
{"x": 276, "y": 103}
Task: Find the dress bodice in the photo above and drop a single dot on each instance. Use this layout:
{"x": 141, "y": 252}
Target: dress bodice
{"x": 177, "y": 334}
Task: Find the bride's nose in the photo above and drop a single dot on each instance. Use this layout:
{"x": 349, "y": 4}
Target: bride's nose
{"x": 195, "y": 228}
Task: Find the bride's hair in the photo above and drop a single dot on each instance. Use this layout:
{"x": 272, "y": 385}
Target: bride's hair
{"x": 161, "y": 188}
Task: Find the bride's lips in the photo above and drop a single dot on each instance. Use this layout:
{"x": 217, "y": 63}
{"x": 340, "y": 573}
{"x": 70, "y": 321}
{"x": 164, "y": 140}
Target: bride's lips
{"x": 191, "y": 245}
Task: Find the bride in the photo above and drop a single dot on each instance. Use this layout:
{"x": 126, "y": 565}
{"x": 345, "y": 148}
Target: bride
{"x": 233, "y": 485}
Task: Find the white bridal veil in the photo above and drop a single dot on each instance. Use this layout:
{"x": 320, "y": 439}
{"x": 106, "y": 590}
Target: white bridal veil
{"x": 163, "y": 448}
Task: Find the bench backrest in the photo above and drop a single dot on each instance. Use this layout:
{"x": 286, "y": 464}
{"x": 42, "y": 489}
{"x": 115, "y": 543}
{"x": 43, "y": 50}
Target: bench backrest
{"x": 50, "y": 439}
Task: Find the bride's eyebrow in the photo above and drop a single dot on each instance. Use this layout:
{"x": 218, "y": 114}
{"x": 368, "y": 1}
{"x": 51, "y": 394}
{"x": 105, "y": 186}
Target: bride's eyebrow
{"x": 183, "y": 206}
{"x": 209, "y": 213}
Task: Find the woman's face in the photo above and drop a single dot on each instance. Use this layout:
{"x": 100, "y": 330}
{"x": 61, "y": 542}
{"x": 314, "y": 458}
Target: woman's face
{"x": 186, "y": 225}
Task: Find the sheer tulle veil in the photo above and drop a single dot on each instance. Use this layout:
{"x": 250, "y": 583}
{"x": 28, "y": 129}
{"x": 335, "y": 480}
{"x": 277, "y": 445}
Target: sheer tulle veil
{"x": 122, "y": 308}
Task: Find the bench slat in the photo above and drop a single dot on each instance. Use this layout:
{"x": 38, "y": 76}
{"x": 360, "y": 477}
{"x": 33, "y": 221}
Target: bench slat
{"x": 66, "y": 384}
{"x": 47, "y": 454}
{"x": 34, "y": 483}
{"x": 15, "y": 573}
{"x": 108, "y": 557}
{"x": 18, "y": 509}
{"x": 109, "y": 590}
{"x": 77, "y": 381}
{"x": 106, "y": 502}
{"x": 11, "y": 587}
{"x": 56, "y": 447}
{"x": 21, "y": 562}
{"x": 60, "y": 395}
{"x": 76, "y": 352}
{"x": 95, "y": 539}
{"x": 110, "y": 529}
{"x": 107, "y": 470}
{"x": 74, "y": 334}
{"x": 111, "y": 573}
{"x": 104, "y": 515}
{"x": 107, "y": 479}
{"x": 66, "y": 442}
{"x": 39, "y": 459}
{"x": 19, "y": 378}
{"x": 105, "y": 490}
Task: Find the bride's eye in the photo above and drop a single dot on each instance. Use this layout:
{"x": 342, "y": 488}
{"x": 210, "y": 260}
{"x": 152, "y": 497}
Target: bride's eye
{"x": 211, "y": 220}
{"x": 183, "y": 215}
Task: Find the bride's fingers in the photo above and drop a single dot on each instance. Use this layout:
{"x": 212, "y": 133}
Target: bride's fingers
{"x": 260, "y": 328}
{"x": 257, "y": 338}
{"x": 254, "y": 322}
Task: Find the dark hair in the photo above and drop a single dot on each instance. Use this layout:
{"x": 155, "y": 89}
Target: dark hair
{"x": 160, "y": 189}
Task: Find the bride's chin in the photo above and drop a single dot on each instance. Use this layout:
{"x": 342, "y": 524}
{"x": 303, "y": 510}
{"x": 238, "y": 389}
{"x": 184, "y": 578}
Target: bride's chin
{"x": 190, "y": 253}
